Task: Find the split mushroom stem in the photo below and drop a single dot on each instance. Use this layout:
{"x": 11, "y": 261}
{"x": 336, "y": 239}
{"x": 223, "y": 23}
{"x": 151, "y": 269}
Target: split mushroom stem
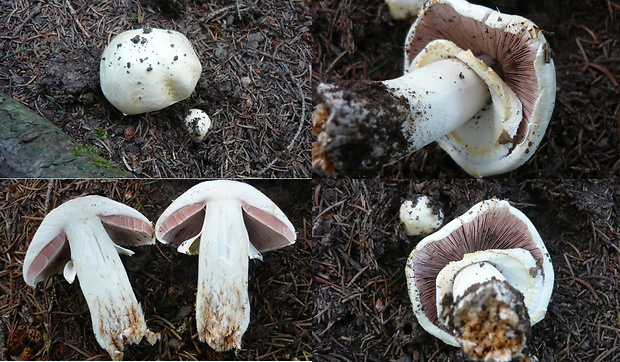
{"x": 222, "y": 305}
{"x": 82, "y": 238}
{"x": 106, "y": 287}
{"x": 379, "y": 122}
{"x": 226, "y": 223}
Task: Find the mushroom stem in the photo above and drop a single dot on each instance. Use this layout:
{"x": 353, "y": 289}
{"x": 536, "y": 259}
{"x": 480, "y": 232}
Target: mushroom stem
{"x": 106, "y": 288}
{"x": 377, "y": 123}
{"x": 474, "y": 274}
{"x": 490, "y": 320}
{"x": 222, "y": 306}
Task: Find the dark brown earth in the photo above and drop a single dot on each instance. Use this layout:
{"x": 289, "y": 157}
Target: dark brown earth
{"x": 255, "y": 83}
{"x": 362, "y": 310}
{"x": 52, "y": 321}
{"x": 356, "y": 39}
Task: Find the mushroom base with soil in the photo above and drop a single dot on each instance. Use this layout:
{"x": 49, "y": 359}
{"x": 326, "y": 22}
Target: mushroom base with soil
{"x": 222, "y": 302}
{"x": 470, "y": 316}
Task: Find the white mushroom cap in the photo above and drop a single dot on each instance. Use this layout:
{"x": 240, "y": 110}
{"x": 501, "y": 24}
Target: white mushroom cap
{"x": 49, "y": 250}
{"x": 489, "y": 231}
{"x": 419, "y": 217}
{"x": 502, "y": 137}
{"x": 198, "y": 124}
{"x": 145, "y": 70}
{"x": 180, "y": 224}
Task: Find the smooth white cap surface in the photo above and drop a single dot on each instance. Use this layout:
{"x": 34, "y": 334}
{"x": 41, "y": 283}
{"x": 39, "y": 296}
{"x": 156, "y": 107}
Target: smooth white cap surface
{"x": 145, "y": 70}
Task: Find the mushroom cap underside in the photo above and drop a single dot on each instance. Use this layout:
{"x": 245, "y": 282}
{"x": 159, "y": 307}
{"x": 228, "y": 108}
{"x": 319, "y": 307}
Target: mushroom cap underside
{"x": 519, "y": 54}
{"x": 267, "y": 226}
{"x": 49, "y": 250}
{"x": 491, "y": 224}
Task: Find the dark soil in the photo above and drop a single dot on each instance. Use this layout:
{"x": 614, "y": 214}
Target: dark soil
{"x": 357, "y": 39}
{"x": 52, "y": 321}
{"x": 255, "y": 83}
{"x": 362, "y": 310}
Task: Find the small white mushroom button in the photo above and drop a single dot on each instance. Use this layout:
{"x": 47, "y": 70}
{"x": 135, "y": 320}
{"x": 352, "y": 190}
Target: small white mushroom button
{"x": 419, "y": 216}
{"x": 198, "y": 124}
{"x": 404, "y": 9}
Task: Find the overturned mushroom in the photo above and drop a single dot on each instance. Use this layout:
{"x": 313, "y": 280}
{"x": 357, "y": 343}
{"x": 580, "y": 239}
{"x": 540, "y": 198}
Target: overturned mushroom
{"x": 226, "y": 223}
{"x": 481, "y": 281}
{"x": 145, "y": 70}
{"x": 458, "y": 58}
{"x": 83, "y": 237}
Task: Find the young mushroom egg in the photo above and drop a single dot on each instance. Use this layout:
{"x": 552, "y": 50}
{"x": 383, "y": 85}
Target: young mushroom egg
{"x": 419, "y": 216}
{"x": 197, "y": 123}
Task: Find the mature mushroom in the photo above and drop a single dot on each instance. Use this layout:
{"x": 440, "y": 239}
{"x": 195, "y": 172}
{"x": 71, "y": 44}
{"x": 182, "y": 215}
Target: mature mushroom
{"x": 83, "y": 236}
{"x": 420, "y": 216}
{"x": 232, "y": 222}
{"x": 481, "y": 281}
{"x": 197, "y": 123}
{"x": 458, "y": 56}
{"x": 145, "y": 70}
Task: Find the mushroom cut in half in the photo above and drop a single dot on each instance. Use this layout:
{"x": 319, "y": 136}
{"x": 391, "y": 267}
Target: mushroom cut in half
{"x": 226, "y": 223}
{"x": 482, "y": 281}
{"x": 479, "y": 82}
{"x": 83, "y": 238}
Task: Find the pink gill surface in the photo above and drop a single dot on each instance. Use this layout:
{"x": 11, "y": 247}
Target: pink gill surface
{"x": 127, "y": 222}
{"x": 265, "y": 230}
{"x": 177, "y": 227}
{"x": 45, "y": 257}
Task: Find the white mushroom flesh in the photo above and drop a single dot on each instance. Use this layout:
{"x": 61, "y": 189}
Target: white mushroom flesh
{"x": 85, "y": 227}
{"x": 226, "y": 223}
